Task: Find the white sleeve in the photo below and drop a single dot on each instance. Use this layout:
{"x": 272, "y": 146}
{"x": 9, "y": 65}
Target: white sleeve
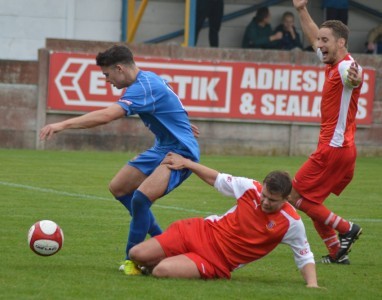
{"x": 297, "y": 240}
{"x": 229, "y": 185}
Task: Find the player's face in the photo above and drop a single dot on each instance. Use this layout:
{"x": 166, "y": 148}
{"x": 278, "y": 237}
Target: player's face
{"x": 117, "y": 76}
{"x": 329, "y": 45}
{"x": 271, "y": 203}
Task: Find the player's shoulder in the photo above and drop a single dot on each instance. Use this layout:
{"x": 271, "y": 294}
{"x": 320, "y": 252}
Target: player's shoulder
{"x": 242, "y": 184}
{"x": 148, "y": 80}
{"x": 291, "y": 211}
{"x": 347, "y": 61}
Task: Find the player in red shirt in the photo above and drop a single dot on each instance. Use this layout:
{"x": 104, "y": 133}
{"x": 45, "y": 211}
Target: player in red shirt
{"x": 331, "y": 167}
{"x": 217, "y": 245}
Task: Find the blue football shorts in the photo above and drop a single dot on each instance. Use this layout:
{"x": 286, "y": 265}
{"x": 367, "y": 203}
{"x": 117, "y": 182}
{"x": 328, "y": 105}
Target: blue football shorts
{"x": 149, "y": 160}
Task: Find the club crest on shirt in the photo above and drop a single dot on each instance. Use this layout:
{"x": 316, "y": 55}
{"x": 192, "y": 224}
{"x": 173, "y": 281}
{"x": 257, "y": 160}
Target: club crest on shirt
{"x": 331, "y": 74}
{"x": 125, "y": 101}
{"x": 271, "y": 225}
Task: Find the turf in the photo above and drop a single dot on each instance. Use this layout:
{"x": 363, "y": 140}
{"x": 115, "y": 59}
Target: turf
{"x": 71, "y": 189}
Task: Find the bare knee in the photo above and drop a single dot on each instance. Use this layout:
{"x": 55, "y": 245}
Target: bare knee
{"x": 162, "y": 270}
{"x": 113, "y": 190}
{"x": 135, "y": 254}
{"x": 116, "y": 190}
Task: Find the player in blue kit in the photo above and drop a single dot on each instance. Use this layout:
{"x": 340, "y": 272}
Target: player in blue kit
{"x": 143, "y": 179}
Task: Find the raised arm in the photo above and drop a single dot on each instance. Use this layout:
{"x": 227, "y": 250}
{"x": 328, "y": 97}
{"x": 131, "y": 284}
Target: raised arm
{"x": 177, "y": 162}
{"x": 89, "y": 120}
{"x": 309, "y": 28}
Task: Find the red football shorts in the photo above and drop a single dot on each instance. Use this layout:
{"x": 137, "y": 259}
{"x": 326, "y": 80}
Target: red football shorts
{"x": 189, "y": 237}
{"x": 328, "y": 170}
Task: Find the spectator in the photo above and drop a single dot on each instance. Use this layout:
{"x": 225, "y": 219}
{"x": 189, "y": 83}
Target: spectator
{"x": 258, "y": 33}
{"x": 336, "y": 10}
{"x": 213, "y": 10}
{"x": 291, "y": 38}
{"x": 374, "y": 40}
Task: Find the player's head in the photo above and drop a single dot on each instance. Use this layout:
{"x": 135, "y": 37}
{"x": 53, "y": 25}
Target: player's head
{"x": 118, "y": 66}
{"x": 333, "y": 40}
{"x": 339, "y": 29}
{"x": 277, "y": 187}
{"x": 118, "y": 54}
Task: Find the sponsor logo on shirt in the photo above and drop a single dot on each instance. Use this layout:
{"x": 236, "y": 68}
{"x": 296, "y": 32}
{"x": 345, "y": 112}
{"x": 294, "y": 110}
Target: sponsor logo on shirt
{"x": 125, "y": 101}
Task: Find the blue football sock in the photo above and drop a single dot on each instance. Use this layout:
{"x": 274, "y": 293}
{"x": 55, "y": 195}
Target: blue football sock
{"x": 154, "y": 228}
{"x": 126, "y": 201}
{"x": 140, "y": 222}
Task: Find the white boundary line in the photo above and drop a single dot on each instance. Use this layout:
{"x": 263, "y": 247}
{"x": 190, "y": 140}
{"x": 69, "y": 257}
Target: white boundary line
{"x": 92, "y": 197}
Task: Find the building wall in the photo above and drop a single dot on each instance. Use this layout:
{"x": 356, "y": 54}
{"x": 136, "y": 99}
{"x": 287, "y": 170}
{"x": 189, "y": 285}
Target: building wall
{"x": 23, "y": 89}
{"x": 26, "y": 24}
{"x": 18, "y": 103}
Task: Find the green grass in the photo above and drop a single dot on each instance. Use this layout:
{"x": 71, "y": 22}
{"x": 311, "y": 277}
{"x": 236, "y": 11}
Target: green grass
{"x": 71, "y": 189}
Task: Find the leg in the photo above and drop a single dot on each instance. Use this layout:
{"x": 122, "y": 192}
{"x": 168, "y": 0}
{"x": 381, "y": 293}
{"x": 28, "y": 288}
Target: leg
{"x": 325, "y": 221}
{"x": 179, "y": 266}
{"x": 126, "y": 181}
{"x": 319, "y": 213}
{"x": 328, "y": 170}
{"x": 215, "y": 15}
{"x": 201, "y": 15}
{"x": 148, "y": 253}
{"x": 155, "y": 185}
{"x": 151, "y": 189}
{"x": 329, "y": 237}
{"x": 151, "y": 253}
{"x": 123, "y": 185}
{"x": 327, "y": 233}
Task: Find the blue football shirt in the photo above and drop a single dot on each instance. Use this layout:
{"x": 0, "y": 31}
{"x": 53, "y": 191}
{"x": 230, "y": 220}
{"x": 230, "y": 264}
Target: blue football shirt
{"x": 152, "y": 99}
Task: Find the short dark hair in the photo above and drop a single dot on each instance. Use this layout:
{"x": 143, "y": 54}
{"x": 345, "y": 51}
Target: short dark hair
{"x": 339, "y": 29}
{"x": 114, "y": 55}
{"x": 278, "y": 182}
{"x": 261, "y": 14}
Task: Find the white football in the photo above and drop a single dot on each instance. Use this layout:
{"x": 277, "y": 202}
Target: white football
{"x": 45, "y": 238}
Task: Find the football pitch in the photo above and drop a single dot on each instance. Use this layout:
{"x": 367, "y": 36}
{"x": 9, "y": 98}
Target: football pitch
{"x": 71, "y": 188}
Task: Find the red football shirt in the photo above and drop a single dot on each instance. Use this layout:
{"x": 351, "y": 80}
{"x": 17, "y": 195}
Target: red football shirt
{"x": 338, "y": 105}
{"x": 245, "y": 233}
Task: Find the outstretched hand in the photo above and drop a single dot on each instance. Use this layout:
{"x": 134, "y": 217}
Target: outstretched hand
{"x": 47, "y": 131}
{"x": 174, "y": 161}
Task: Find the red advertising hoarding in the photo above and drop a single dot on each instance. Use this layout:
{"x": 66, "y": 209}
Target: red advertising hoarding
{"x": 207, "y": 89}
